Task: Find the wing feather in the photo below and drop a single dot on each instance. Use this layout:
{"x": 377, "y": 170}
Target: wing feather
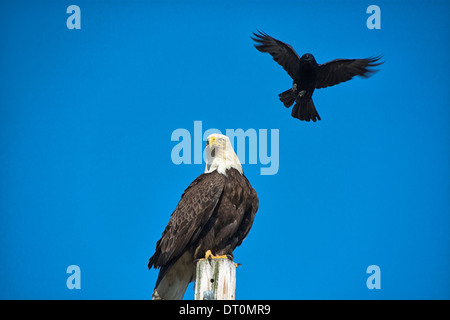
{"x": 341, "y": 70}
{"x": 194, "y": 209}
{"x": 281, "y": 52}
{"x": 249, "y": 216}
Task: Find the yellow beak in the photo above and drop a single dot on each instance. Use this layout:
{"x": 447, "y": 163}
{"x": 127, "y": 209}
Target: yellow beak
{"x": 210, "y": 142}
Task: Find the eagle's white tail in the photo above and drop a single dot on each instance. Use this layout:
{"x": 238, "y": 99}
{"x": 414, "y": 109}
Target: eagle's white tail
{"x": 176, "y": 280}
{"x": 174, "y": 291}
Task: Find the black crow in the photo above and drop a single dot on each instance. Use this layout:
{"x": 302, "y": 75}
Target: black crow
{"x": 308, "y": 75}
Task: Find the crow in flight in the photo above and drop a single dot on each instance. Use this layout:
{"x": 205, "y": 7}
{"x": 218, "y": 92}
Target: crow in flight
{"x": 308, "y": 75}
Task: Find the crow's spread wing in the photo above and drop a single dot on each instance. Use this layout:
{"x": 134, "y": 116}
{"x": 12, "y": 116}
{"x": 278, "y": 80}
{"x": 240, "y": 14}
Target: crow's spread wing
{"x": 341, "y": 70}
{"x": 281, "y": 52}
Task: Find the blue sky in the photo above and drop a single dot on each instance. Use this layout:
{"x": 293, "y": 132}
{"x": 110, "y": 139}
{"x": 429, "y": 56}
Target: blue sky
{"x": 86, "y": 118}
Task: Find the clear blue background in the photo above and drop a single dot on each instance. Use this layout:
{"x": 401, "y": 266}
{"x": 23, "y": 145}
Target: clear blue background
{"x": 86, "y": 118}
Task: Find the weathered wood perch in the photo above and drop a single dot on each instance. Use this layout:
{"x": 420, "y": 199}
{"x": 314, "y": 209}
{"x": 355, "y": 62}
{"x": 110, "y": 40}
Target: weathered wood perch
{"x": 215, "y": 279}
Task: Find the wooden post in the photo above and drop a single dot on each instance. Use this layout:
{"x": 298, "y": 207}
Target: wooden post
{"x": 215, "y": 279}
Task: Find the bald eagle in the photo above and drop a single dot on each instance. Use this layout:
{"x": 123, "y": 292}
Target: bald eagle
{"x": 213, "y": 217}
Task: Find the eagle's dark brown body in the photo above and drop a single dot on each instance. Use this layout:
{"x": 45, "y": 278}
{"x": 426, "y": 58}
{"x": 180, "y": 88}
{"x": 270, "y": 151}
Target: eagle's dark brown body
{"x": 214, "y": 213}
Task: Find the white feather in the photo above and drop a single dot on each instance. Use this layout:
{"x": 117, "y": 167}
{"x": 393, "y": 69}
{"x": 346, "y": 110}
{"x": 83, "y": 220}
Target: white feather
{"x": 176, "y": 280}
{"x": 220, "y": 155}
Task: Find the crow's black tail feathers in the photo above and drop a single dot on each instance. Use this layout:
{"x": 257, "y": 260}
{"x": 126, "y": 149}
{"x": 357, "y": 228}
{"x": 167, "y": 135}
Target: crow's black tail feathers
{"x": 305, "y": 110}
{"x": 287, "y": 97}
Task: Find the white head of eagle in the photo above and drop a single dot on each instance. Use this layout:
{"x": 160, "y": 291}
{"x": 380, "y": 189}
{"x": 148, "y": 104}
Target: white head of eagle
{"x": 220, "y": 155}
{"x": 212, "y": 218}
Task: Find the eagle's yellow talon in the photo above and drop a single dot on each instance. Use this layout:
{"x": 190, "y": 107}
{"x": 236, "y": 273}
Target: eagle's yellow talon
{"x": 209, "y": 255}
{"x": 220, "y": 257}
